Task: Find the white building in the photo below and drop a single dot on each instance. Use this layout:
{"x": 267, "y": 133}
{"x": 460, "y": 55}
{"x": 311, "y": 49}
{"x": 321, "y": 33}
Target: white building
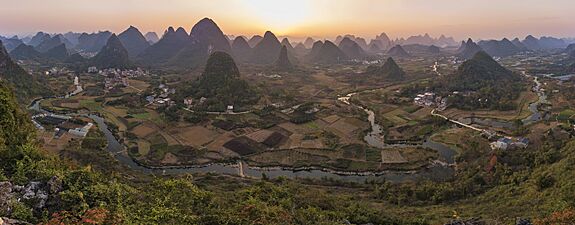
{"x": 81, "y": 132}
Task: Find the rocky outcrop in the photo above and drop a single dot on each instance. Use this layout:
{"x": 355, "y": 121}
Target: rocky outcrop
{"x": 389, "y": 70}
{"x": 134, "y": 41}
{"x": 241, "y": 49}
{"x": 468, "y": 49}
{"x": 326, "y": 53}
{"x": 112, "y": 55}
{"x": 283, "y": 63}
{"x": 267, "y": 50}
{"x": 42, "y": 194}
{"x": 351, "y": 48}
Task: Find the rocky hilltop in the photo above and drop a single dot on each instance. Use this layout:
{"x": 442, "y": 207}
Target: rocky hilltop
{"x": 398, "y": 51}
{"x": 112, "y": 55}
{"x": 134, "y": 41}
{"x": 267, "y": 50}
{"x": 389, "y": 70}
{"x": 283, "y": 63}
{"x": 468, "y": 49}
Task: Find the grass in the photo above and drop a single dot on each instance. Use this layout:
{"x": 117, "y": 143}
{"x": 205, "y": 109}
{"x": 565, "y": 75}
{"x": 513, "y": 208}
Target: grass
{"x": 373, "y": 155}
{"x": 142, "y": 116}
{"x": 91, "y": 105}
{"x": 566, "y": 115}
{"x": 143, "y": 147}
{"x": 312, "y": 125}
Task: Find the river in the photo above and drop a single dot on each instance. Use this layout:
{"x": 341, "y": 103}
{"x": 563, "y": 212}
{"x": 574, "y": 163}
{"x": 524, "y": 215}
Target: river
{"x": 436, "y": 171}
{"x": 534, "y": 107}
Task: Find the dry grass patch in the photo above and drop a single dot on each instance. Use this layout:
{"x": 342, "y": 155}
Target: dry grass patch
{"x": 331, "y": 119}
{"x": 196, "y": 136}
{"x": 144, "y": 130}
{"x": 392, "y": 157}
{"x": 260, "y": 135}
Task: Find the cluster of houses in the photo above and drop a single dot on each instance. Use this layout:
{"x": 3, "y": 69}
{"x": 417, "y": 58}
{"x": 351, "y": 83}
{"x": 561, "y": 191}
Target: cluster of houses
{"x": 125, "y": 73}
{"x": 116, "y": 77}
{"x": 190, "y": 102}
{"x": 506, "y": 143}
{"x": 430, "y": 99}
{"x": 112, "y": 81}
{"x": 161, "y": 98}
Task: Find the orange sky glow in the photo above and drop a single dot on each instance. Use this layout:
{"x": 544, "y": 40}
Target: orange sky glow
{"x": 299, "y": 18}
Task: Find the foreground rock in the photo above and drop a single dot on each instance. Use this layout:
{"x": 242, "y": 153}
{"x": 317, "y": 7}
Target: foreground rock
{"x": 42, "y": 194}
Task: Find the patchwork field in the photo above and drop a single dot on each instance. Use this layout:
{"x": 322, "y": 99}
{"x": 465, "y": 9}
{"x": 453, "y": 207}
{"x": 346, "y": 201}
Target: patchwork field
{"x": 196, "y": 136}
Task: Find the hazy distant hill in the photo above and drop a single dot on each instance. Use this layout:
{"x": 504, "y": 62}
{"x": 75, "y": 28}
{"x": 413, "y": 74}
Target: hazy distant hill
{"x": 134, "y": 41}
{"x": 25, "y": 85}
{"x": 501, "y": 48}
{"x": 205, "y": 38}
{"x": 283, "y": 63}
{"x": 11, "y": 43}
{"x": 425, "y": 39}
{"x": 308, "y": 43}
{"x": 445, "y": 41}
{"x": 519, "y": 45}
{"x": 255, "y": 40}
{"x": 532, "y": 43}
{"x": 287, "y": 43}
{"x": 207, "y": 34}
{"x": 38, "y": 38}
{"x": 468, "y": 49}
{"x": 326, "y": 53}
{"x": 241, "y": 49}
{"x": 59, "y": 53}
{"x": 152, "y": 37}
{"x": 398, "y": 51}
{"x": 389, "y": 70}
{"x": 544, "y": 43}
{"x": 551, "y": 43}
{"x": 49, "y": 43}
{"x": 300, "y": 49}
{"x": 25, "y": 52}
{"x": 361, "y": 42}
{"x": 570, "y": 50}
{"x": 384, "y": 41}
{"x": 92, "y": 42}
{"x": 72, "y": 37}
{"x": 267, "y": 50}
{"x": 166, "y": 48}
{"x": 433, "y": 49}
{"x": 112, "y": 55}
{"x": 420, "y": 39}
{"x": 351, "y": 48}
{"x": 375, "y": 46}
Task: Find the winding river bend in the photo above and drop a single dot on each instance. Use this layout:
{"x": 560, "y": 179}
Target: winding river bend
{"x": 437, "y": 171}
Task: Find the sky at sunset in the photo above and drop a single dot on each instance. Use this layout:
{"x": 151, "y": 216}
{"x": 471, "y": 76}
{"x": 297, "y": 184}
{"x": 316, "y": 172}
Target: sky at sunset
{"x": 298, "y": 18}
